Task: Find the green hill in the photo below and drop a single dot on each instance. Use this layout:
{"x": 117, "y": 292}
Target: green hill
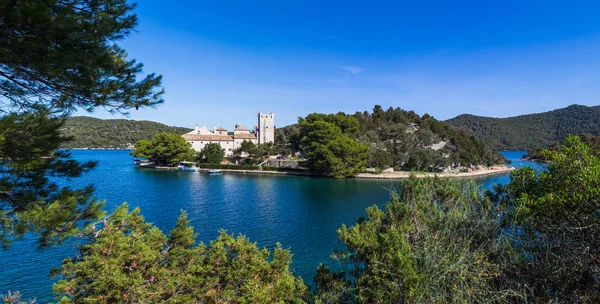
{"x": 400, "y": 139}
{"x": 89, "y": 132}
{"x": 532, "y": 131}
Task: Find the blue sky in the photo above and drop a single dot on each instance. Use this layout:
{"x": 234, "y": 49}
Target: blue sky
{"x": 223, "y": 61}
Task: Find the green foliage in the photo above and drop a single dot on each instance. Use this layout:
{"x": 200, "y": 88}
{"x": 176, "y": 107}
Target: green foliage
{"x": 593, "y": 141}
{"x": 431, "y": 244}
{"x": 533, "y": 131}
{"x": 89, "y": 132}
{"x": 57, "y": 57}
{"x": 556, "y": 216}
{"x": 212, "y": 154}
{"x": 396, "y": 138}
{"x": 247, "y": 147}
{"x": 328, "y": 150}
{"x": 63, "y": 55}
{"x": 29, "y": 154}
{"x": 288, "y": 136}
{"x": 258, "y": 151}
{"x": 164, "y": 149}
{"x": 378, "y": 158}
{"x": 347, "y": 124}
{"x": 420, "y": 143}
{"x": 130, "y": 261}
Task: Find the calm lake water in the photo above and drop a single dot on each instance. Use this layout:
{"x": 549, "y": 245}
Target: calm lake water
{"x": 301, "y": 213}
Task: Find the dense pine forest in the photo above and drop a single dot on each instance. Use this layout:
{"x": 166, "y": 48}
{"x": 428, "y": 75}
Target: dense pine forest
{"x": 532, "y": 131}
{"x": 420, "y": 142}
{"x": 89, "y": 132}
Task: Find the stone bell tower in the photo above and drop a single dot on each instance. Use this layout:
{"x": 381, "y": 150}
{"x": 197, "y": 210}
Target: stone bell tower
{"x": 265, "y": 130}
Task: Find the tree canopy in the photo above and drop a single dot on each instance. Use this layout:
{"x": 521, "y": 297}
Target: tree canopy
{"x": 130, "y": 261}
{"x": 330, "y": 151}
{"x": 211, "y": 154}
{"x": 57, "y": 57}
{"x": 393, "y": 138}
{"x": 420, "y": 143}
{"x": 431, "y": 243}
{"x": 63, "y": 55}
{"x": 164, "y": 149}
{"x": 554, "y": 217}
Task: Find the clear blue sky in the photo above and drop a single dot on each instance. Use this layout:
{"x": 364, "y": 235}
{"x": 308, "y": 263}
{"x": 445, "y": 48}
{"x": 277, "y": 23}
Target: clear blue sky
{"x": 223, "y": 61}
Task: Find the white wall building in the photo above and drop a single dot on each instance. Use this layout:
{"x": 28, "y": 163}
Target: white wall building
{"x": 200, "y": 137}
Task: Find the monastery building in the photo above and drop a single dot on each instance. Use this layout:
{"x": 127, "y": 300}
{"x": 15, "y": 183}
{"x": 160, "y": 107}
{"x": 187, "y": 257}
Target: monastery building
{"x": 264, "y": 132}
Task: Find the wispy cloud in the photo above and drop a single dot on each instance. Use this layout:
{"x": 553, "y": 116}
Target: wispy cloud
{"x": 351, "y": 69}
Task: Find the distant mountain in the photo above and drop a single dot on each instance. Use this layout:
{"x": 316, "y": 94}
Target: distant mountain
{"x": 89, "y": 132}
{"x": 532, "y": 131}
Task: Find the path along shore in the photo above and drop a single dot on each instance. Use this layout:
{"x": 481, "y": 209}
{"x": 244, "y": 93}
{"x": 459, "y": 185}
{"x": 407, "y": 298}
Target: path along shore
{"x": 392, "y": 175}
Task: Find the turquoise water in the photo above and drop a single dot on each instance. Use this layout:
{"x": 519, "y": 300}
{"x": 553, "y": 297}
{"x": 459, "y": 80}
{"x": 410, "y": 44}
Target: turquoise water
{"x": 301, "y": 213}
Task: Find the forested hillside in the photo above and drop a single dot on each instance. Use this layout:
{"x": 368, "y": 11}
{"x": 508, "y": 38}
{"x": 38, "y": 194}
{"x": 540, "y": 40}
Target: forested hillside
{"x": 89, "y": 132}
{"x": 532, "y": 131}
{"x": 397, "y": 138}
{"x": 418, "y": 142}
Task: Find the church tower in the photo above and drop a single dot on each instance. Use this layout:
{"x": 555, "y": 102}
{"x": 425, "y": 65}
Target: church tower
{"x": 265, "y": 130}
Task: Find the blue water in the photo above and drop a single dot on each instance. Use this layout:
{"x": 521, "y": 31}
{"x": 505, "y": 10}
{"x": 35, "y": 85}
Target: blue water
{"x": 301, "y": 213}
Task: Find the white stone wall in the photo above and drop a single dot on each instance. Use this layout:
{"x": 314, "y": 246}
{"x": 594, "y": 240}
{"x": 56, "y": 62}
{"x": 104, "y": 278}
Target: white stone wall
{"x": 226, "y": 145}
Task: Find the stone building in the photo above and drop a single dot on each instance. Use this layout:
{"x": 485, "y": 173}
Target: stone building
{"x": 265, "y": 130}
{"x": 200, "y": 137}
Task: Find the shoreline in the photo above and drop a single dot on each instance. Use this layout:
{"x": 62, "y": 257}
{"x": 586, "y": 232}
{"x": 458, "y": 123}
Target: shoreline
{"x": 391, "y": 175}
{"x": 473, "y": 174}
{"x": 267, "y": 172}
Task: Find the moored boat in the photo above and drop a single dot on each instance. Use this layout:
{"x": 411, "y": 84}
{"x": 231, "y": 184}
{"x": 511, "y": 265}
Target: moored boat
{"x": 213, "y": 171}
{"x": 186, "y": 166}
{"x": 142, "y": 163}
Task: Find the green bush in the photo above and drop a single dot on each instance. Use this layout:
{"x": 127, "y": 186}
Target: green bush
{"x": 434, "y": 242}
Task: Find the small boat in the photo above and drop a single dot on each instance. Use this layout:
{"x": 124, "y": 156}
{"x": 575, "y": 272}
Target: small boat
{"x": 186, "y": 166}
{"x": 142, "y": 163}
{"x": 213, "y": 171}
